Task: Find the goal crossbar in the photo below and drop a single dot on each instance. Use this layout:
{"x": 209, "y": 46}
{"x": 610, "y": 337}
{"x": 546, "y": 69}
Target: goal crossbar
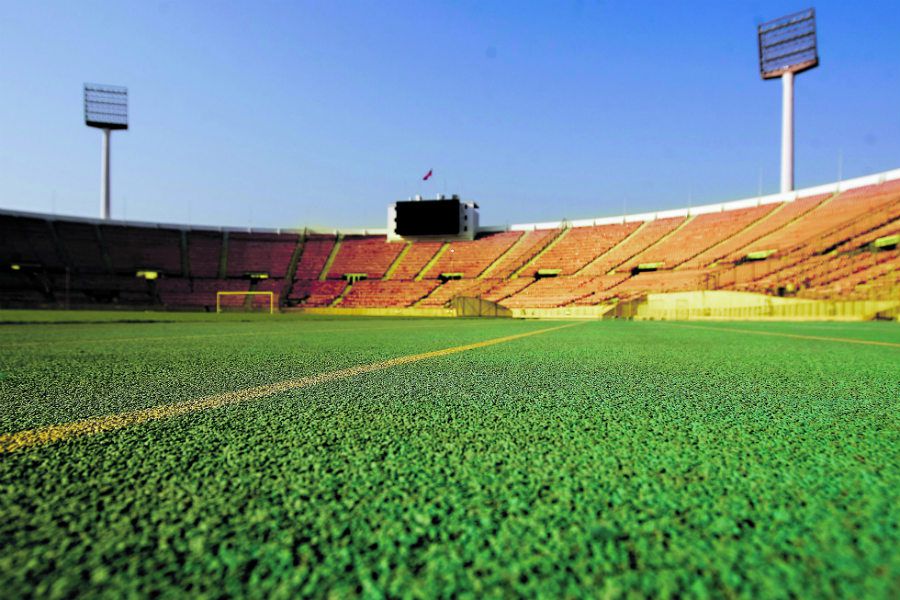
{"x": 271, "y": 296}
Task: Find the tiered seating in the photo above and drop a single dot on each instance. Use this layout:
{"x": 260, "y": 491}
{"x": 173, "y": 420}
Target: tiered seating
{"x": 143, "y": 248}
{"x": 887, "y": 229}
{"x": 699, "y": 234}
{"x": 528, "y": 245}
{"x": 507, "y": 288}
{"x": 459, "y": 287}
{"x": 806, "y": 234}
{"x": 648, "y": 234}
{"x": 579, "y": 246}
{"x": 317, "y": 293}
{"x": 781, "y": 215}
{"x": 18, "y": 290}
{"x": 471, "y": 258}
{"x": 375, "y": 293}
{"x": 271, "y": 285}
{"x": 371, "y": 255}
{"x": 852, "y": 271}
{"x": 415, "y": 260}
{"x": 315, "y": 253}
{"x": 82, "y": 246}
{"x": 660, "y": 281}
{"x": 204, "y": 253}
{"x": 260, "y": 253}
{"x": 199, "y": 293}
{"x": 27, "y": 241}
{"x": 600, "y": 289}
{"x": 549, "y": 292}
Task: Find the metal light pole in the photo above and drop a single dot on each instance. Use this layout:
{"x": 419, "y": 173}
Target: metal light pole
{"x": 104, "y": 176}
{"x": 787, "y": 132}
{"x": 787, "y": 46}
{"x": 105, "y": 108}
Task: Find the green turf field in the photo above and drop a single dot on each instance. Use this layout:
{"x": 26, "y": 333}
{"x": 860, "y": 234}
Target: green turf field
{"x": 601, "y": 459}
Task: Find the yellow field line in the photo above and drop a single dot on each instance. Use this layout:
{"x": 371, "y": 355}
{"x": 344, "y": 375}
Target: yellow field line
{"x": 798, "y": 336}
{"x": 10, "y": 442}
{"x": 50, "y": 340}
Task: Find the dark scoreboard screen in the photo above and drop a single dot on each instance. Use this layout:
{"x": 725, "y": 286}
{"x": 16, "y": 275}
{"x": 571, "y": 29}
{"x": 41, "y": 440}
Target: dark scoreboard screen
{"x": 428, "y": 217}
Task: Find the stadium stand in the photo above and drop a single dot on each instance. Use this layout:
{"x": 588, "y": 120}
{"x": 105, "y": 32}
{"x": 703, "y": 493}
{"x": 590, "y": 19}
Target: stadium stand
{"x": 700, "y": 234}
{"x": 470, "y": 259}
{"x": 823, "y": 245}
{"x": 526, "y": 247}
{"x": 446, "y": 292}
{"x": 548, "y": 292}
{"x": 578, "y": 247}
{"x": 316, "y": 250}
{"x": 647, "y": 234}
{"x": 26, "y": 241}
{"x": 837, "y": 213}
{"x": 375, "y": 293}
{"x": 315, "y": 292}
{"x": 204, "y": 253}
{"x": 267, "y": 253}
{"x": 371, "y": 255}
{"x": 419, "y": 255}
{"x": 132, "y": 248}
{"x": 81, "y": 243}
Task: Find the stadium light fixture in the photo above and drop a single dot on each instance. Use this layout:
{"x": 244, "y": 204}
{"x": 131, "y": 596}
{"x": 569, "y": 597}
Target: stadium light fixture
{"x": 787, "y": 46}
{"x": 105, "y": 108}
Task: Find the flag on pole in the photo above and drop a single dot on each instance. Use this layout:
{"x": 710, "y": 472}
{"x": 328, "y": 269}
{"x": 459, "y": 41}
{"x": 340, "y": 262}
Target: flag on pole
{"x": 427, "y": 175}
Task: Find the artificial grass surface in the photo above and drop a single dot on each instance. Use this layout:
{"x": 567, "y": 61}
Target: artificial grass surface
{"x": 608, "y": 458}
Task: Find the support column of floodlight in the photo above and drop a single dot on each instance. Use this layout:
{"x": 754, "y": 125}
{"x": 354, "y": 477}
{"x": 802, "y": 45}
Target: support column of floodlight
{"x": 104, "y": 176}
{"x": 105, "y": 108}
{"x": 787, "y": 132}
{"x": 787, "y": 46}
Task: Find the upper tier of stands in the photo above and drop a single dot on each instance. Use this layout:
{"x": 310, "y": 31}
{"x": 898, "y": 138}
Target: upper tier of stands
{"x": 133, "y": 248}
{"x": 578, "y": 246}
{"x": 313, "y": 256}
{"x": 268, "y": 253}
{"x": 417, "y": 256}
{"x": 700, "y": 234}
{"x": 648, "y": 233}
{"x": 371, "y": 255}
{"x": 471, "y": 258}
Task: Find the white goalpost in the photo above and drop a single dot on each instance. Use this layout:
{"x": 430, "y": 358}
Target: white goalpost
{"x": 270, "y": 295}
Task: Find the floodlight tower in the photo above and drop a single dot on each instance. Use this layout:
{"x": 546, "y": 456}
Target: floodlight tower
{"x": 106, "y": 108}
{"x": 787, "y": 46}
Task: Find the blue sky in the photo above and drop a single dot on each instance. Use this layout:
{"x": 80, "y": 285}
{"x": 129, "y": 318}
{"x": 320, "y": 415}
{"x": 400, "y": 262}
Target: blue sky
{"x": 321, "y": 113}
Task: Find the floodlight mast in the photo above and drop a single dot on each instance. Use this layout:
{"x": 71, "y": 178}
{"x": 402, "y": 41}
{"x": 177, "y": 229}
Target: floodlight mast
{"x": 787, "y": 46}
{"x": 106, "y": 108}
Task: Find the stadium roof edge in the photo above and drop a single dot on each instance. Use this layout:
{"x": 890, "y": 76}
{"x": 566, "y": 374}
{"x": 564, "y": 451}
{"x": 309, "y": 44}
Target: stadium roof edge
{"x": 183, "y": 227}
{"x": 839, "y": 186}
{"x": 828, "y": 188}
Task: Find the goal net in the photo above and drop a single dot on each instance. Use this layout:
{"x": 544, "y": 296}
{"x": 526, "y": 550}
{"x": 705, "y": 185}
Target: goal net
{"x": 245, "y": 301}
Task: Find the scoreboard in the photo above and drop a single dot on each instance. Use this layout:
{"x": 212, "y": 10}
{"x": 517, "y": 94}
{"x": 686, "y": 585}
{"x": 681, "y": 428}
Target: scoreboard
{"x": 438, "y": 219}
{"x": 428, "y": 217}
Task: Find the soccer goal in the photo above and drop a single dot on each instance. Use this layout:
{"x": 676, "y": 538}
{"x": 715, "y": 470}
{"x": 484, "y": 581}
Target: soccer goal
{"x": 245, "y": 301}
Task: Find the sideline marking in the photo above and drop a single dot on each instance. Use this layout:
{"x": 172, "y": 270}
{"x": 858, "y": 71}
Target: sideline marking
{"x": 798, "y": 336}
{"x": 10, "y": 442}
